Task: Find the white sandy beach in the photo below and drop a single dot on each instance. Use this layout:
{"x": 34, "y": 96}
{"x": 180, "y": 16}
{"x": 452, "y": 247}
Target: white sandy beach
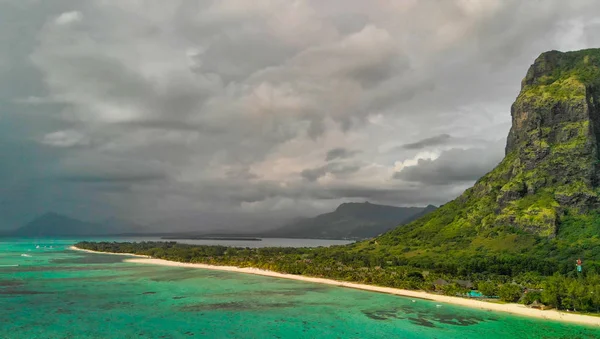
{"x": 508, "y": 308}
{"x": 112, "y": 253}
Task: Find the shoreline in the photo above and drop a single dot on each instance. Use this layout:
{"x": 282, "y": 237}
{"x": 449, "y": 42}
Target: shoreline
{"x": 515, "y": 309}
{"x": 111, "y": 253}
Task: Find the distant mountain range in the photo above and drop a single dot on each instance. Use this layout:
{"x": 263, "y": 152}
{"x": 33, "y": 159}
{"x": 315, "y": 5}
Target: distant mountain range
{"x": 348, "y": 221}
{"x": 54, "y": 224}
{"x": 351, "y": 221}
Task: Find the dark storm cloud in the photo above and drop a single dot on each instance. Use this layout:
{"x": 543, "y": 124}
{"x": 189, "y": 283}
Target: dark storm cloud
{"x": 221, "y": 112}
{"x": 428, "y": 142}
{"x": 339, "y": 153}
{"x": 108, "y": 169}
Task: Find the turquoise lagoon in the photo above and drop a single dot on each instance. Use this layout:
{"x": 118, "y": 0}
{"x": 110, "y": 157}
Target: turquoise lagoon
{"x": 58, "y": 293}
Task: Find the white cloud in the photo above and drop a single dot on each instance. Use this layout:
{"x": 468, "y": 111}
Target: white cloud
{"x": 68, "y": 18}
{"x": 426, "y": 155}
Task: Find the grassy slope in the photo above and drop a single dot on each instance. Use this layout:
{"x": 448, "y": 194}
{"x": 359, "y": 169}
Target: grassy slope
{"x": 481, "y": 223}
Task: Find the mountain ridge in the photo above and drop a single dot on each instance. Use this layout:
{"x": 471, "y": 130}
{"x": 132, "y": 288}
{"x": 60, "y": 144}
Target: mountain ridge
{"x": 350, "y": 221}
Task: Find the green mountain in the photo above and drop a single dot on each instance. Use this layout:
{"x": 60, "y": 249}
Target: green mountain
{"x": 351, "y": 221}
{"x": 545, "y": 192}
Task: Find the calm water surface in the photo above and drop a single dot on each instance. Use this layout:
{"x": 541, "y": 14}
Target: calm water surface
{"x": 58, "y": 293}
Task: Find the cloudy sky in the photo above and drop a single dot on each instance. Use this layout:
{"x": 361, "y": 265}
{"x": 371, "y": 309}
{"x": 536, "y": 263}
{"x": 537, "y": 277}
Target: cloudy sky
{"x": 236, "y": 113}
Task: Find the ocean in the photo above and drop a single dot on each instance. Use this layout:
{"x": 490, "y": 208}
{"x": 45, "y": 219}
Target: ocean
{"x": 49, "y": 291}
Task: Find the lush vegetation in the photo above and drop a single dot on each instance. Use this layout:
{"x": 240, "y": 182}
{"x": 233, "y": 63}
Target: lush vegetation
{"x": 506, "y": 276}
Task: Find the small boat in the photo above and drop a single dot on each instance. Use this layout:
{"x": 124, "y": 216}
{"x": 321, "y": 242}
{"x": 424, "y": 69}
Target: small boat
{"x": 25, "y": 255}
{"x": 9, "y": 265}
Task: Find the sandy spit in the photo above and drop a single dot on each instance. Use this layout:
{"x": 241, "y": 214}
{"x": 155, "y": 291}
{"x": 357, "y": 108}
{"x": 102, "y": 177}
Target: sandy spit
{"x": 127, "y": 254}
{"x": 516, "y": 309}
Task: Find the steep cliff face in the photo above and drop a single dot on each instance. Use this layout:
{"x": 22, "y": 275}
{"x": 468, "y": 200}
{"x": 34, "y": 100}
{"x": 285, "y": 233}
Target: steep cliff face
{"x": 551, "y": 169}
{"x": 551, "y": 165}
{"x": 551, "y": 162}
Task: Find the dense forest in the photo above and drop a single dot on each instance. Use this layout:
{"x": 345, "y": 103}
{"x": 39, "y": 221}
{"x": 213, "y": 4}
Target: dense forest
{"x": 512, "y": 278}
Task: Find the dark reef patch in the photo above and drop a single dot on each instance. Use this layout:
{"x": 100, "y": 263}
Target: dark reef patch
{"x": 457, "y": 320}
{"x": 375, "y": 316}
{"x": 63, "y": 311}
{"x": 421, "y": 317}
{"x": 382, "y": 314}
{"x": 422, "y": 322}
{"x": 10, "y": 291}
{"x": 11, "y": 283}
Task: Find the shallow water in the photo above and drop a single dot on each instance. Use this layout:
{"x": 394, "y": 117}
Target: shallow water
{"x": 58, "y": 293}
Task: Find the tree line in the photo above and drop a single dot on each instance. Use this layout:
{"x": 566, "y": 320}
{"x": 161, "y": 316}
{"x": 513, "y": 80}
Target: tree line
{"x": 512, "y": 278}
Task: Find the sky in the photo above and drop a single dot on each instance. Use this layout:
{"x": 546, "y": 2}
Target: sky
{"x": 240, "y": 115}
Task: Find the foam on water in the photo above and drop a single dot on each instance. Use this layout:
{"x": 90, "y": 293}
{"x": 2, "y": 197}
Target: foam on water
{"x": 58, "y": 293}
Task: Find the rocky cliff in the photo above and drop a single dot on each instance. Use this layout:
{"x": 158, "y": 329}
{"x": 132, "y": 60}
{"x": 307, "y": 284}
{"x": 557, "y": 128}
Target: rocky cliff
{"x": 551, "y": 165}
{"x": 551, "y": 170}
